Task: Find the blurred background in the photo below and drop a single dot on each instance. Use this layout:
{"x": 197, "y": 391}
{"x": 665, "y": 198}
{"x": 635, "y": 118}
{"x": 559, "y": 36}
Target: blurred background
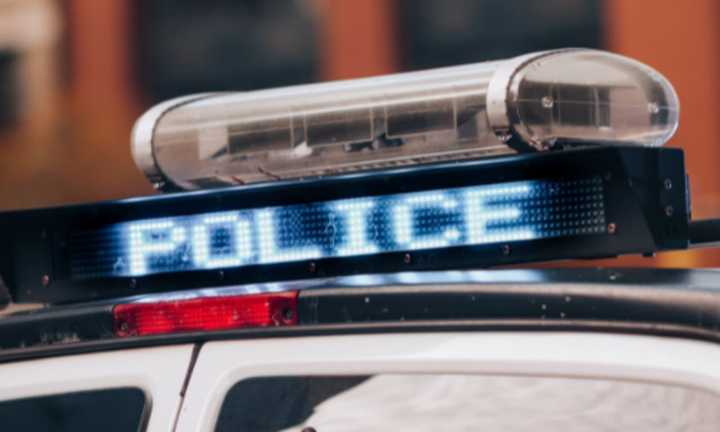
{"x": 75, "y": 74}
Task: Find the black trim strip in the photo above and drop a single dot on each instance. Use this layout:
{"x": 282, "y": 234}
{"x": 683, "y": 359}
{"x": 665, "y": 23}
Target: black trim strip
{"x": 60, "y": 326}
{"x": 705, "y": 233}
{"x": 654, "y": 329}
{"x": 677, "y": 303}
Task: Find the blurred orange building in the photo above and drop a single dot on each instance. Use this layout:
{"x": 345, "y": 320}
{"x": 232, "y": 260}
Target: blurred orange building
{"x": 75, "y": 69}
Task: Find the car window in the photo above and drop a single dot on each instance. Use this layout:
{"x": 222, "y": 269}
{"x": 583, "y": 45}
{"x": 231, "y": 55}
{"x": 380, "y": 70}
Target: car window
{"x": 113, "y": 410}
{"x": 463, "y": 402}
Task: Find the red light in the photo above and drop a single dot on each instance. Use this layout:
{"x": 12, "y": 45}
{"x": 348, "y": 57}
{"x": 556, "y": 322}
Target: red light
{"x": 205, "y": 314}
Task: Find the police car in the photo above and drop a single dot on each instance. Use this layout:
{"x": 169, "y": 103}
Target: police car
{"x": 320, "y": 263}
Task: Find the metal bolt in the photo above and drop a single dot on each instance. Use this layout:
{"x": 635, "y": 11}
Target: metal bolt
{"x": 312, "y": 267}
{"x": 611, "y": 228}
{"x": 669, "y": 211}
{"x": 506, "y": 250}
{"x": 45, "y": 280}
{"x": 407, "y": 259}
{"x": 668, "y": 184}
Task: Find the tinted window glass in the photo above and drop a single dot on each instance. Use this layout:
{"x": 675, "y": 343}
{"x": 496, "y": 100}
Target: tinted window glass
{"x": 8, "y": 89}
{"x": 187, "y": 46}
{"x": 438, "y": 33}
{"x": 464, "y": 402}
{"x": 116, "y": 410}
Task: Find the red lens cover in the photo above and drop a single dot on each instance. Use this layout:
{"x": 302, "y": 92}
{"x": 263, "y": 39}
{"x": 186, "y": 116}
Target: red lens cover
{"x": 205, "y": 314}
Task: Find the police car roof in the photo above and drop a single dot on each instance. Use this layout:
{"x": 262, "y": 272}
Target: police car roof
{"x": 680, "y": 303}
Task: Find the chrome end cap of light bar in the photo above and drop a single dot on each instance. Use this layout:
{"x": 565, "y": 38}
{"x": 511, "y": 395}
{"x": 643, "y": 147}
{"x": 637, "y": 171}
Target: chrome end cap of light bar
{"x": 513, "y": 90}
{"x": 141, "y": 141}
{"x": 501, "y": 115}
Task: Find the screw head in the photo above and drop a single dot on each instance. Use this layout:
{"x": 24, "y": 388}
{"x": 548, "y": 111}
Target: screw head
{"x": 407, "y": 259}
{"x": 611, "y": 228}
{"x": 506, "y": 250}
{"x": 669, "y": 211}
{"x": 668, "y": 184}
{"x": 312, "y": 267}
{"x": 547, "y": 102}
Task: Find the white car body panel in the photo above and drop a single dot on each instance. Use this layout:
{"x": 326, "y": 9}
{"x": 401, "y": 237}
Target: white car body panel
{"x": 655, "y": 360}
{"x": 159, "y": 372}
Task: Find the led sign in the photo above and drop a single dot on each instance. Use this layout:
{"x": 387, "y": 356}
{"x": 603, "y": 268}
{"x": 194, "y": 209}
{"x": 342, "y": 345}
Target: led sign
{"x": 573, "y": 204}
{"x": 442, "y": 218}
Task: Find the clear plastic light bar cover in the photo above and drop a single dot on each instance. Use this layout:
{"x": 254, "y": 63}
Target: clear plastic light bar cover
{"x": 532, "y": 102}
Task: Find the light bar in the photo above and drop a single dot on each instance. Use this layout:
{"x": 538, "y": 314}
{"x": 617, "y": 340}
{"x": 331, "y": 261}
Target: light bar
{"x": 533, "y": 102}
{"x": 205, "y": 314}
{"x": 580, "y": 203}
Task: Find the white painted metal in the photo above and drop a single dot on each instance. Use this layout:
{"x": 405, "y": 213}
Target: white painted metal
{"x": 655, "y": 360}
{"x": 159, "y": 372}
